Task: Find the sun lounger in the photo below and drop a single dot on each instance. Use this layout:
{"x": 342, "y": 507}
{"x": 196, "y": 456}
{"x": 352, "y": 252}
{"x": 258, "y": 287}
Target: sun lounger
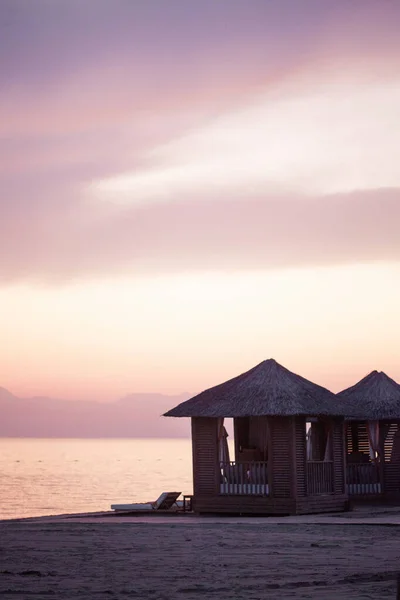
{"x": 164, "y": 502}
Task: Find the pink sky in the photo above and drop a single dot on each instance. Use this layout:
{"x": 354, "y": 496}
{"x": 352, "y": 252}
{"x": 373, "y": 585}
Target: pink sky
{"x": 189, "y": 188}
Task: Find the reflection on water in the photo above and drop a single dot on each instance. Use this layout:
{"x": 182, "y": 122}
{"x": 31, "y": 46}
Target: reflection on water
{"x": 55, "y": 476}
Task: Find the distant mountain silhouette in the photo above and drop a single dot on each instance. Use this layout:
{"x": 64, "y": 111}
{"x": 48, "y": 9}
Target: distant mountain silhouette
{"x": 136, "y": 415}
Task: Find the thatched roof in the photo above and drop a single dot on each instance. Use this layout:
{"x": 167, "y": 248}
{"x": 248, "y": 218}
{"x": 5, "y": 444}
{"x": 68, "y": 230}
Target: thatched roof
{"x": 267, "y": 389}
{"x": 375, "y": 397}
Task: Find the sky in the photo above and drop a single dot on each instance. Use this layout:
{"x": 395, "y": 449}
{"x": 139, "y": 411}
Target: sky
{"x": 189, "y": 188}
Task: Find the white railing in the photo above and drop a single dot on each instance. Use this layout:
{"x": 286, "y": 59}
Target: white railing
{"x": 250, "y": 478}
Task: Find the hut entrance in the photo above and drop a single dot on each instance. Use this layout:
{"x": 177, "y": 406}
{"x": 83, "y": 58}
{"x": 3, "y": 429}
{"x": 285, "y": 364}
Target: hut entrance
{"x": 319, "y": 456}
{"x": 364, "y": 460}
{"x": 245, "y": 470}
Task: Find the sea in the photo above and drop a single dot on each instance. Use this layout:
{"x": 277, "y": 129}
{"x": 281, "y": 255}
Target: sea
{"x": 40, "y": 477}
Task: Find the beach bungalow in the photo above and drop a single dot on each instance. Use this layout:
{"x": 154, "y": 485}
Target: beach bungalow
{"x": 373, "y": 438}
{"x": 289, "y": 455}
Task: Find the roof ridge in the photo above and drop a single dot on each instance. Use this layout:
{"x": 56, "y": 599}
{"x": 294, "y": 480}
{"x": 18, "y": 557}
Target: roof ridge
{"x": 269, "y": 388}
{"x": 376, "y": 396}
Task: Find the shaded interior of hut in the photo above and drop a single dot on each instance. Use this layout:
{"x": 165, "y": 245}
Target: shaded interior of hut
{"x": 318, "y": 439}
{"x": 373, "y": 457}
{"x": 251, "y": 439}
{"x": 244, "y": 458}
{"x": 371, "y": 441}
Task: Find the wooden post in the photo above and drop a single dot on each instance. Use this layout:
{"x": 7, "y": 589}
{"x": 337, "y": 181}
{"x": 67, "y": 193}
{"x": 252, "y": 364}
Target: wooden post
{"x": 345, "y": 457}
{"x": 381, "y": 465}
{"x": 293, "y": 457}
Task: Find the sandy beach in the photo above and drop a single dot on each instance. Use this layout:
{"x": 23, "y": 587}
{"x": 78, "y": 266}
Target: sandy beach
{"x": 193, "y": 557}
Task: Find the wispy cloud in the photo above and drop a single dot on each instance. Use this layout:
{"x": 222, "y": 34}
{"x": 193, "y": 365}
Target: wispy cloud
{"x": 314, "y": 138}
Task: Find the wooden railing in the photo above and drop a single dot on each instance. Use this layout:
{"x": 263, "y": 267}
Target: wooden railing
{"x": 363, "y": 479}
{"x": 319, "y": 477}
{"x": 250, "y": 478}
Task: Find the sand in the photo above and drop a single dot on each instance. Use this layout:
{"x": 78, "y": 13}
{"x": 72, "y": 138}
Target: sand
{"x": 190, "y": 558}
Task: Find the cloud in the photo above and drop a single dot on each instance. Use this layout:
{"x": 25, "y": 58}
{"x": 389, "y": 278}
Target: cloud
{"x": 217, "y": 118}
{"x": 316, "y": 138}
{"x": 236, "y": 234}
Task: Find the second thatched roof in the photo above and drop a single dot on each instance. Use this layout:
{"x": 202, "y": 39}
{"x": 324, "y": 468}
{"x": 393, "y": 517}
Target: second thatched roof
{"x": 375, "y": 397}
{"x": 266, "y": 390}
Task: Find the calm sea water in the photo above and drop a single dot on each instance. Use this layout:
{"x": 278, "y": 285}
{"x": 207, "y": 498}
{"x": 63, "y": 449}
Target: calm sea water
{"x": 59, "y": 476}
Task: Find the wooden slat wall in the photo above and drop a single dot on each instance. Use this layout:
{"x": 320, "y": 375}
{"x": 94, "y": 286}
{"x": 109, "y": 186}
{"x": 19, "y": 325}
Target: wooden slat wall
{"x": 339, "y": 459}
{"x": 281, "y": 468}
{"x": 246, "y": 505}
{"x": 205, "y": 456}
{"x": 321, "y": 504}
{"x": 270, "y": 506}
{"x": 350, "y": 446}
{"x": 392, "y": 459}
{"x": 300, "y": 455}
{"x": 363, "y": 438}
{"x": 392, "y": 447}
{"x": 357, "y": 437}
{"x": 392, "y": 479}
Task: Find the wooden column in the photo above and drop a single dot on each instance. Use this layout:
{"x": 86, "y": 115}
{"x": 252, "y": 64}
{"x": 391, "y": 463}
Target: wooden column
{"x": 339, "y": 457}
{"x": 282, "y": 456}
{"x": 206, "y": 474}
{"x": 381, "y": 457}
